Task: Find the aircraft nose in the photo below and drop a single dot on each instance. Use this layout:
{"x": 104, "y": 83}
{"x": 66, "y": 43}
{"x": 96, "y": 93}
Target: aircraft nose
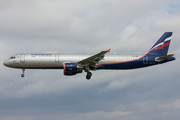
{"x": 5, "y": 63}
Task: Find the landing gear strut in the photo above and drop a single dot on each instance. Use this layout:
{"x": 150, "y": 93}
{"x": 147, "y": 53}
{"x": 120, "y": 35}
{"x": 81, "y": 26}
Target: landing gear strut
{"x": 88, "y": 76}
{"x": 23, "y": 70}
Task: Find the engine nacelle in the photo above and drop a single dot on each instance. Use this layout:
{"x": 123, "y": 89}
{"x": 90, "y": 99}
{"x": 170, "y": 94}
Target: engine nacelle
{"x": 71, "y": 69}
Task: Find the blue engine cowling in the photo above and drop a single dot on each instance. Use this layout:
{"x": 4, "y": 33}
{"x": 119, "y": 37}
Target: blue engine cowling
{"x": 71, "y": 69}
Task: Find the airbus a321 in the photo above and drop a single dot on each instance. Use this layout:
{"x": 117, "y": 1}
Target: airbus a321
{"x": 73, "y": 64}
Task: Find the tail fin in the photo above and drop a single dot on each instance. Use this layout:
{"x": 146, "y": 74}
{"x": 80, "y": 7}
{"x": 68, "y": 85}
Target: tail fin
{"x": 162, "y": 45}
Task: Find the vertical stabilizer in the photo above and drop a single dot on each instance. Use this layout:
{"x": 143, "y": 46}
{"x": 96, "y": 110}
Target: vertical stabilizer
{"x": 162, "y": 45}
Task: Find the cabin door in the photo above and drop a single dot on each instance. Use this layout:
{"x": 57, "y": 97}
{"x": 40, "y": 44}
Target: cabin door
{"x": 56, "y": 58}
{"x": 22, "y": 58}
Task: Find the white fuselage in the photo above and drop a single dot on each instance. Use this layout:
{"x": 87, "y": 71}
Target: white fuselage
{"x": 56, "y": 60}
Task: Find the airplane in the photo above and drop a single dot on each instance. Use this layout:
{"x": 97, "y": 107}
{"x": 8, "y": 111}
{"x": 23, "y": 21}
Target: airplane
{"x": 73, "y": 64}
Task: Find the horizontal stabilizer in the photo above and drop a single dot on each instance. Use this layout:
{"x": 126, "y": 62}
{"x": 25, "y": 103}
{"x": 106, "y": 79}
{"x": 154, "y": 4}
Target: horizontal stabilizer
{"x": 164, "y": 57}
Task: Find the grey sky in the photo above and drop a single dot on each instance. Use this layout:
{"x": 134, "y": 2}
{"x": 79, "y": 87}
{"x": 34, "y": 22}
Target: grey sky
{"x": 78, "y": 26}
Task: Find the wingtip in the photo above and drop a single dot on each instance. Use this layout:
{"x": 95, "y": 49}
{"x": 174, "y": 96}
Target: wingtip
{"x": 108, "y": 50}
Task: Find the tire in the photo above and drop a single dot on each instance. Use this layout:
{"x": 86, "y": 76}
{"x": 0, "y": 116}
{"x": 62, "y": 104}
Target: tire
{"x": 88, "y": 76}
{"x": 22, "y": 75}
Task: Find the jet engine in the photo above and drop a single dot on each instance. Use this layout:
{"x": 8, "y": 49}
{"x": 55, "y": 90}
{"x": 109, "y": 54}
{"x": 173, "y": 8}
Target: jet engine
{"x": 72, "y": 69}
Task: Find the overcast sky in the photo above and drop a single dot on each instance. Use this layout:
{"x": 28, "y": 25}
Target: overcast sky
{"x": 89, "y": 26}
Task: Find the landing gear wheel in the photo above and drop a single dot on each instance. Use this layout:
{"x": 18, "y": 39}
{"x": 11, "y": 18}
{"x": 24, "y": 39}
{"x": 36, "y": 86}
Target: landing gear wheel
{"x": 88, "y": 76}
{"x": 22, "y": 75}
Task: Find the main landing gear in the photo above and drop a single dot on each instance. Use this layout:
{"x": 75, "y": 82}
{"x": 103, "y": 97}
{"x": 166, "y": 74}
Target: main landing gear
{"x": 88, "y": 76}
{"x": 22, "y": 75}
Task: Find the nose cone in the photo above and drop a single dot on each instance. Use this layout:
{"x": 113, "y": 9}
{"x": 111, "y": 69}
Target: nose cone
{"x": 5, "y": 63}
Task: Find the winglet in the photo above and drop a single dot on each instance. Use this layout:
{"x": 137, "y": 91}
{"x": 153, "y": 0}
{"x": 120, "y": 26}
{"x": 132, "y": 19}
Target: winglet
{"x": 108, "y": 50}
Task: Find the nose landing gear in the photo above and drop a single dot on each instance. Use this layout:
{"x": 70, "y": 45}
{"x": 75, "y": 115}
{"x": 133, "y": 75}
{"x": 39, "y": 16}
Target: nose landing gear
{"x": 22, "y": 75}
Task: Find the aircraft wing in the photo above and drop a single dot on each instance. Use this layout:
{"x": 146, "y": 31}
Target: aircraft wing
{"x": 92, "y": 60}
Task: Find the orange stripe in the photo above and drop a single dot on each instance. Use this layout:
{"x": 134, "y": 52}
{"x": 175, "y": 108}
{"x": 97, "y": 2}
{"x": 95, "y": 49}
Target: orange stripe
{"x": 117, "y": 62}
{"x": 124, "y": 61}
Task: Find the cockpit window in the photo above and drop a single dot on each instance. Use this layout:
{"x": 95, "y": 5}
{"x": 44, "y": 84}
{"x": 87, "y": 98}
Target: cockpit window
{"x": 13, "y": 57}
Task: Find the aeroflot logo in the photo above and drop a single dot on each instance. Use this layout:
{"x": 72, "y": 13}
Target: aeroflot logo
{"x": 167, "y": 40}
